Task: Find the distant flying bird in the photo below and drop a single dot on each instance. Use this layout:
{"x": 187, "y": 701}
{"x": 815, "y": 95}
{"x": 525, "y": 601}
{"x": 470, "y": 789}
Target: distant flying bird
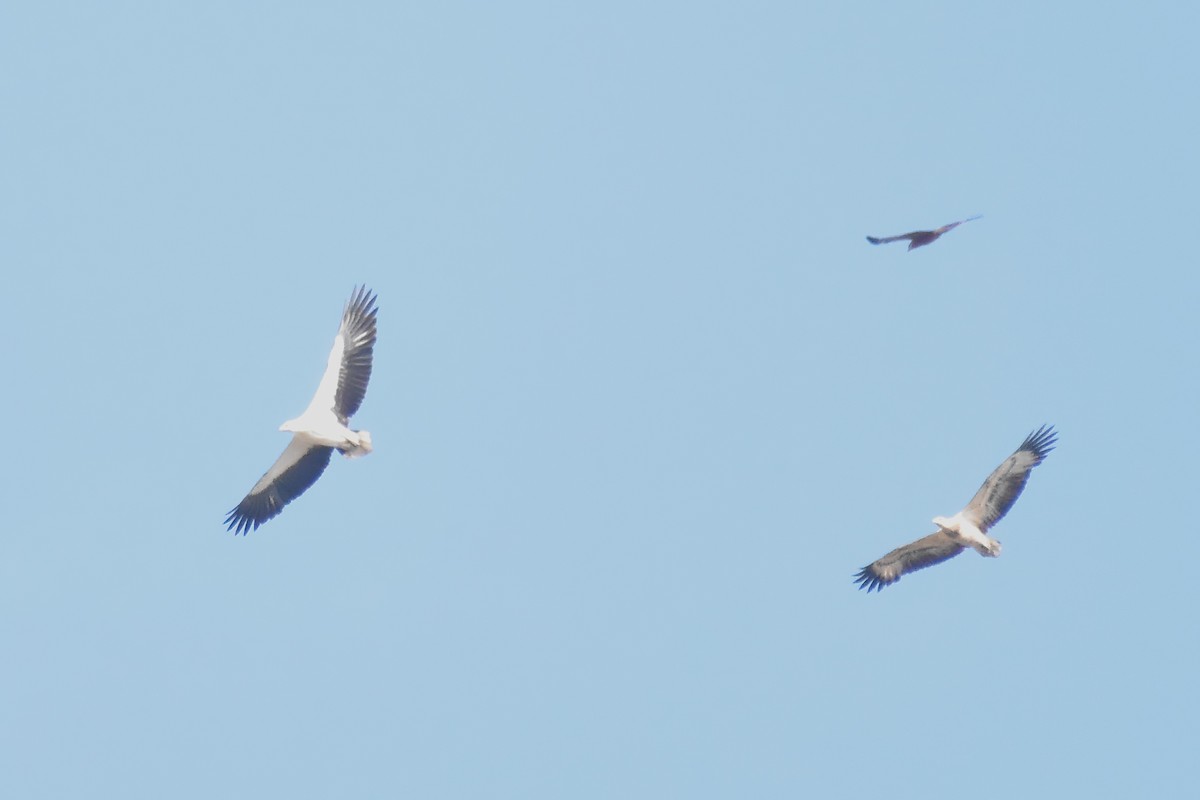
{"x": 969, "y": 527}
{"x": 921, "y": 238}
{"x": 321, "y": 429}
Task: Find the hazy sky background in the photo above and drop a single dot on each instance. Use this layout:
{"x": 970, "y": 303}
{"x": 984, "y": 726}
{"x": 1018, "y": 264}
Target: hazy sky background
{"x": 644, "y": 398}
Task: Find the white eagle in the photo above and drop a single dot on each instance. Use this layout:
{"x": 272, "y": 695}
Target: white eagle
{"x": 322, "y": 428}
{"x": 969, "y": 527}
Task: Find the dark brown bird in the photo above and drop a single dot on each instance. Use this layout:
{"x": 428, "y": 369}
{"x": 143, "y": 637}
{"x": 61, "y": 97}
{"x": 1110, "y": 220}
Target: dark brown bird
{"x": 921, "y": 238}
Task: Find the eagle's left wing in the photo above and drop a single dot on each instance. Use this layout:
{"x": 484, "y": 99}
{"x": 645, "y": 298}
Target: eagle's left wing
{"x": 886, "y": 239}
{"x": 925, "y": 552}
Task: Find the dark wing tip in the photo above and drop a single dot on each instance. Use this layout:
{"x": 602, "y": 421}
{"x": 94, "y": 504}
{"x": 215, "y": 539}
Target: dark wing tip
{"x": 869, "y": 580}
{"x": 873, "y": 240}
{"x": 361, "y": 301}
{"x": 238, "y": 521}
{"x": 253, "y": 511}
{"x": 359, "y": 320}
{"x": 1040, "y": 442}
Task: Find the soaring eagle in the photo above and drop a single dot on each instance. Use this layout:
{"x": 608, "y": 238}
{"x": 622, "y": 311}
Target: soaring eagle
{"x": 969, "y": 527}
{"x": 321, "y": 429}
{"x": 921, "y": 238}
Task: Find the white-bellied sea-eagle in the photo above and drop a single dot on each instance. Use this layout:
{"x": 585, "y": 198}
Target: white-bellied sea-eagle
{"x": 969, "y": 527}
{"x": 321, "y": 429}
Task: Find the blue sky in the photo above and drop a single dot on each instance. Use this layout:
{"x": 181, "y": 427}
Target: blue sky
{"x": 644, "y": 398}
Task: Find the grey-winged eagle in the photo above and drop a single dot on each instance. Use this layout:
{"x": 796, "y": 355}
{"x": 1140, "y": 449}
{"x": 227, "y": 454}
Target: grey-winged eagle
{"x": 969, "y": 527}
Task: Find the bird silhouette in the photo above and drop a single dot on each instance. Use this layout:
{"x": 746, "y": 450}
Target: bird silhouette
{"x": 921, "y": 238}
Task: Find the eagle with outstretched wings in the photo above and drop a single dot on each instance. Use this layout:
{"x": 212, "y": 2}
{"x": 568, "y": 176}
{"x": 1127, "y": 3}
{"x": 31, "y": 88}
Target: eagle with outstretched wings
{"x": 969, "y": 527}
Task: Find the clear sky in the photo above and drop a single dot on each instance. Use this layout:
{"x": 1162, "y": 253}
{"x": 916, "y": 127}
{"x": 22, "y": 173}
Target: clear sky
{"x": 644, "y": 398}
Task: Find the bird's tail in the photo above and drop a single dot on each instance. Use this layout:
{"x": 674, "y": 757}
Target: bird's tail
{"x": 362, "y": 448}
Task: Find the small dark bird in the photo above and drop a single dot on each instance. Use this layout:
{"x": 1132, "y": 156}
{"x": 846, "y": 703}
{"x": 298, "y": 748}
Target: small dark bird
{"x": 921, "y": 238}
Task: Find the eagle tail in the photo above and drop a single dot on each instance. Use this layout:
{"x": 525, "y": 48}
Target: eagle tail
{"x": 361, "y": 449}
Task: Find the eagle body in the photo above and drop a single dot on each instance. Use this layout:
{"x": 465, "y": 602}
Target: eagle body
{"x": 965, "y": 532}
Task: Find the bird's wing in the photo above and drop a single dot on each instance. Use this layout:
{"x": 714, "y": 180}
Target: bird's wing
{"x": 1005, "y": 484}
{"x": 925, "y": 552}
{"x": 886, "y": 239}
{"x": 296, "y": 469}
{"x": 953, "y": 225}
{"x": 348, "y": 369}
